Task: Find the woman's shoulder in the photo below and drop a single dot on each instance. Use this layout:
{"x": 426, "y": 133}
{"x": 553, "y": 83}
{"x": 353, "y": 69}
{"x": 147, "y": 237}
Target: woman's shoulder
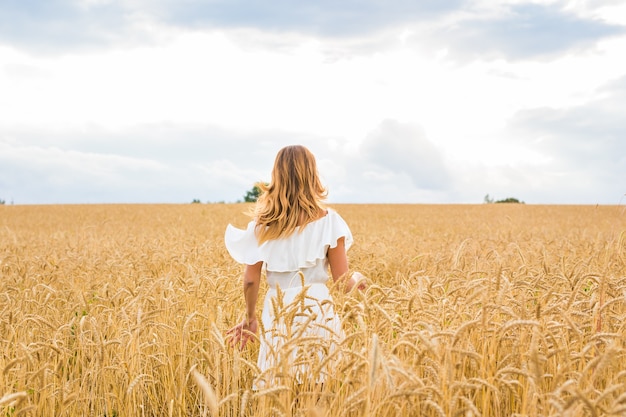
{"x": 328, "y": 229}
{"x": 328, "y": 221}
{"x": 332, "y": 214}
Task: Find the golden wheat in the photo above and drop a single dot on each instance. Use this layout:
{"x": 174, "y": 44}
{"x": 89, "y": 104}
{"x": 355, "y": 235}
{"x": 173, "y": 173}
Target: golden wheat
{"x": 491, "y": 310}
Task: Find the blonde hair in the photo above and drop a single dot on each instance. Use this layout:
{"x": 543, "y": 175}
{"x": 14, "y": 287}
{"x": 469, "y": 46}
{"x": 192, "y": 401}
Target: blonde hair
{"x": 293, "y": 198}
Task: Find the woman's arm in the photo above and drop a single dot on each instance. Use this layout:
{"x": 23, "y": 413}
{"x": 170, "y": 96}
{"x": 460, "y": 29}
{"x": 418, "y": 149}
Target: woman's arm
{"x": 245, "y": 330}
{"x": 251, "y": 282}
{"x": 338, "y": 261}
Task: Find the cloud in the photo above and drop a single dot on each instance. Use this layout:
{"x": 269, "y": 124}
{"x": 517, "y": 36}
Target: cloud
{"x": 395, "y": 163}
{"x": 394, "y": 147}
{"x": 53, "y": 175}
{"x": 53, "y": 25}
{"x": 466, "y": 29}
{"x": 324, "y": 17}
{"x": 173, "y": 163}
{"x": 583, "y": 135}
{"x": 549, "y": 155}
{"x": 169, "y": 163}
{"x": 50, "y": 25}
{"x": 583, "y": 146}
{"x": 174, "y": 142}
{"x": 521, "y": 31}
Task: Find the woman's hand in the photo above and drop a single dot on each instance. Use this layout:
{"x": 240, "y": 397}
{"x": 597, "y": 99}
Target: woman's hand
{"x": 247, "y": 329}
{"x": 243, "y": 332}
{"x": 356, "y": 280}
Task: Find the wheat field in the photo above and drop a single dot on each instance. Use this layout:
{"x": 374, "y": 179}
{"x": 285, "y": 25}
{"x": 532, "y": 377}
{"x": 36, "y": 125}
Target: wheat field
{"x": 471, "y": 310}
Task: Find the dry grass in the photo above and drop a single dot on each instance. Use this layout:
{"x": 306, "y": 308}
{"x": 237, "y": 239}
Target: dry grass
{"x": 487, "y": 310}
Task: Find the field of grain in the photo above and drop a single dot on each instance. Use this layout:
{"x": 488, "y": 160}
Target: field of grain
{"x": 477, "y": 310}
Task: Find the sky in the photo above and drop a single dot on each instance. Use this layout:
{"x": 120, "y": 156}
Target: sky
{"x": 401, "y": 101}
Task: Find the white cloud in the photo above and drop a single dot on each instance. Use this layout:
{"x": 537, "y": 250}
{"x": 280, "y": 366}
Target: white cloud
{"x": 49, "y": 174}
{"x": 401, "y": 148}
{"x": 211, "y": 99}
{"x": 514, "y": 31}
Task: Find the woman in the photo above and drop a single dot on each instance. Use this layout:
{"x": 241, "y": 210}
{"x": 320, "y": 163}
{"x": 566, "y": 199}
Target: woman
{"x": 297, "y": 239}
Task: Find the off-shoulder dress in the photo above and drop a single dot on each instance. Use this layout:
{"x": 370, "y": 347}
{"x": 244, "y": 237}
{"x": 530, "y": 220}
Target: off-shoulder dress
{"x": 298, "y": 305}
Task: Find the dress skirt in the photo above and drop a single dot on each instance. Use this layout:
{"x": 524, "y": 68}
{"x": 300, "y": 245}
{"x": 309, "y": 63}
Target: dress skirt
{"x": 300, "y": 336}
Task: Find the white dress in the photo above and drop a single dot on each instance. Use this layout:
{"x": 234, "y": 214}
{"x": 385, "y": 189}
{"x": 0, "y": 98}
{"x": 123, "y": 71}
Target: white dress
{"x": 297, "y": 271}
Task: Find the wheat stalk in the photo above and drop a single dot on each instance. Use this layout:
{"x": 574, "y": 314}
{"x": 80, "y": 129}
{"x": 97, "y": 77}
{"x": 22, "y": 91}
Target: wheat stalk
{"x": 210, "y": 399}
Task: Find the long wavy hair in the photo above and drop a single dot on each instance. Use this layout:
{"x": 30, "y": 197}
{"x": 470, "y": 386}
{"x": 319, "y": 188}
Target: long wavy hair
{"x": 294, "y": 197}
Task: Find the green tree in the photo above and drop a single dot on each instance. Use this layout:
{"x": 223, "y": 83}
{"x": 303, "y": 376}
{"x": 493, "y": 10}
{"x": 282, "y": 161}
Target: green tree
{"x": 489, "y": 200}
{"x": 252, "y": 195}
{"x": 510, "y": 200}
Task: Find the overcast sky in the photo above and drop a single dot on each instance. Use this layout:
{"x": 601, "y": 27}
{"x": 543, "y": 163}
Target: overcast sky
{"x": 402, "y": 101}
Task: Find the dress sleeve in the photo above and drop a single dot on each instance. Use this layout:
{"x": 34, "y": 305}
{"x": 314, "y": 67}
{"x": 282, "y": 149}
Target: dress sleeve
{"x": 301, "y": 249}
{"x": 242, "y": 245}
{"x": 337, "y": 229}
{"x": 305, "y": 247}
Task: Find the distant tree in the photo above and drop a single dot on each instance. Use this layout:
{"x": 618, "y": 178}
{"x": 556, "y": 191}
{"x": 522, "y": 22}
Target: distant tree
{"x": 510, "y": 200}
{"x": 252, "y": 195}
{"x": 2, "y": 201}
{"x": 195, "y": 201}
{"x": 489, "y": 200}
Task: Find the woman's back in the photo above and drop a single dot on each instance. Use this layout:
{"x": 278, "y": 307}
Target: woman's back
{"x": 305, "y": 250}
